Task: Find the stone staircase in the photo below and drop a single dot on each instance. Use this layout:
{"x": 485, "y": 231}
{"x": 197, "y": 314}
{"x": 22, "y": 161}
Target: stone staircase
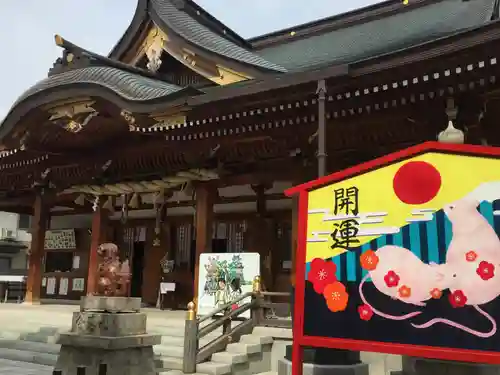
{"x": 251, "y": 355}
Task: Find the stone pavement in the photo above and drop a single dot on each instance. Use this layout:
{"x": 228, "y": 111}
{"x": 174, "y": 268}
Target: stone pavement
{"x": 22, "y": 368}
{"x": 15, "y": 318}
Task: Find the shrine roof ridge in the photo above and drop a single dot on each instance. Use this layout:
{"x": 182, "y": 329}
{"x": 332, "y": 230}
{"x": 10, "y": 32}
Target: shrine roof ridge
{"x": 432, "y": 146}
{"x": 190, "y": 22}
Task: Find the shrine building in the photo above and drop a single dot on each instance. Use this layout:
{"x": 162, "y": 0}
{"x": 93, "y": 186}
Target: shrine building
{"x": 183, "y": 139}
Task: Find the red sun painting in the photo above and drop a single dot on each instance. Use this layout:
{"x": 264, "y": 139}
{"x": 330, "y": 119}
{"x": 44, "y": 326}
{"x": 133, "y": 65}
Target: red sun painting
{"x": 416, "y": 182}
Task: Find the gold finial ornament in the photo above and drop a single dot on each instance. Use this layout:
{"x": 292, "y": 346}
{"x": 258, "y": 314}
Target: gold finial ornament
{"x": 59, "y": 40}
{"x": 256, "y": 284}
{"x": 191, "y": 314}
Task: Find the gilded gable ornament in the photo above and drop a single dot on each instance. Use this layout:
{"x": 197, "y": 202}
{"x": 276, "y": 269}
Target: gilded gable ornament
{"x": 153, "y": 53}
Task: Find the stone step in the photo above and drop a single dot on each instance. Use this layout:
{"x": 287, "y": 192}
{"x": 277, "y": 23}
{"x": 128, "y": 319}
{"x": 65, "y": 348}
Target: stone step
{"x": 170, "y": 363}
{"x": 256, "y": 339}
{"x": 229, "y": 358}
{"x": 39, "y": 337}
{"x": 245, "y": 348}
{"x": 169, "y": 351}
{"x": 175, "y": 372}
{"x": 282, "y": 333}
{"x": 164, "y": 364}
{"x": 28, "y": 356}
{"x": 24, "y": 368}
{"x": 213, "y": 368}
{"x": 50, "y": 331}
{"x": 30, "y": 346}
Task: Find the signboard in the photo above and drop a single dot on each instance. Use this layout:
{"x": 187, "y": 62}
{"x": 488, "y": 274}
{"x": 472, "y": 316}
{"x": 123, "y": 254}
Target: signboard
{"x": 402, "y": 255}
{"x": 224, "y": 277}
{"x": 63, "y": 239}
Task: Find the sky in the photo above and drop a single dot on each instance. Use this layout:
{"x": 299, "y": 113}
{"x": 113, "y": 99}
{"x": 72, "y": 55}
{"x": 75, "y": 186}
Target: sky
{"x": 27, "y": 29}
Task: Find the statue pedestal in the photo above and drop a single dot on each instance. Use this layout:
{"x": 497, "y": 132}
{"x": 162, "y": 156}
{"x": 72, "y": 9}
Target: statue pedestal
{"x": 319, "y": 361}
{"x": 108, "y": 337}
{"x": 424, "y": 366}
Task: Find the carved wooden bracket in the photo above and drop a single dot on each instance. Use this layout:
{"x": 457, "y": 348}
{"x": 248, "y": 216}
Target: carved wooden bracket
{"x": 127, "y": 116}
{"x": 72, "y": 115}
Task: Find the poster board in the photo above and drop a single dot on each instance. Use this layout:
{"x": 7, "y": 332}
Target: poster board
{"x": 224, "y": 277}
{"x": 62, "y": 239}
{"x": 401, "y": 255}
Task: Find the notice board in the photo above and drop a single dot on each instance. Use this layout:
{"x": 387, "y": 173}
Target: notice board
{"x": 401, "y": 255}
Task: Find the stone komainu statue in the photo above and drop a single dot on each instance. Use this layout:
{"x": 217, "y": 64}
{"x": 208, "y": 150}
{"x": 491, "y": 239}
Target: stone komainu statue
{"x": 114, "y": 276}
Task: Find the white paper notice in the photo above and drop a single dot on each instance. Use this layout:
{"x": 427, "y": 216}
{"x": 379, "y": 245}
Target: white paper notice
{"x": 78, "y": 284}
{"x": 51, "y": 285}
{"x": 76, "y": 262}
{"x": 167, "y": 287}
{"x": 63, "y": 286}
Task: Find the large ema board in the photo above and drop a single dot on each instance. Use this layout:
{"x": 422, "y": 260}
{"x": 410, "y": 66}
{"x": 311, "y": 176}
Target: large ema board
{"x": 401, "y": 255}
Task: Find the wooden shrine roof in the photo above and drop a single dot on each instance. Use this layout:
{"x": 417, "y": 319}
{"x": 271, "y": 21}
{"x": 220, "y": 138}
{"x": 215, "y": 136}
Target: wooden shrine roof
{"x": 380, "y": 29}
{"x": 349, "y": 37}
{"x": 261, "y": 119}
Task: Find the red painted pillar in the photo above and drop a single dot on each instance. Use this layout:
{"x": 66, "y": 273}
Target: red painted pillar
{"x": 35, "y": 264}
{"x": 206, "y": 195}
{"x": 99, "y": 229}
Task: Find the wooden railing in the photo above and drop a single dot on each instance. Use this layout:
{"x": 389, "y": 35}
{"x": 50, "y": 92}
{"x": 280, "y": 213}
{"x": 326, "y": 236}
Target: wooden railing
{"x": 259, "y": 306}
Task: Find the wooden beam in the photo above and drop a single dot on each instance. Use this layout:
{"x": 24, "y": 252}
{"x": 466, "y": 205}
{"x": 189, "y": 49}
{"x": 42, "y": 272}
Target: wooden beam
{"x": 35, "y": 262}
{"x": 187, "y": 203}
{"x": 205, "y": 197}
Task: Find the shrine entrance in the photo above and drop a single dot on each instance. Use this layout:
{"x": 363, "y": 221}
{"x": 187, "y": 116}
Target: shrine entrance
{"x": 137, "y": 269}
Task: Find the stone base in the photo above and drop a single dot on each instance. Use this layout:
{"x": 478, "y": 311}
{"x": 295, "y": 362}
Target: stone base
{"x": 424, "y": 366}
{"x": 108, "y": 324}
{"x": 108, "y": 343}
{"x": 110, "y": 304}
{"x": 285, "y": 368}
{"x": 131, "y": 361}
{"x": 326, "y": 356}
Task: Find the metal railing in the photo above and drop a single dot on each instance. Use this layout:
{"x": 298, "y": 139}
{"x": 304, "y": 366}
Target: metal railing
{"x": 258, "y": 305}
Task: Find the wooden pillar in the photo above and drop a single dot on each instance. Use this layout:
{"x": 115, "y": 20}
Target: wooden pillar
{"x": 152, "y": 272}
{"x": 261, "y": 233}
{"x": 39, "y": 226}
{"x": 205, "y": 199}
{"x": 99, "y": 235}
{"x": 321, "y": 91}
{"x": 295, "y": 224}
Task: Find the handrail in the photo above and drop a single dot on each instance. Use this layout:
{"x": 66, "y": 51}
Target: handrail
{"x": 194, "y": 354}
{"x": 220, "y": 343}
{"x": 275, "y": 294}
{"x": 224, "y": 307}
{"x": 216, "y": 324}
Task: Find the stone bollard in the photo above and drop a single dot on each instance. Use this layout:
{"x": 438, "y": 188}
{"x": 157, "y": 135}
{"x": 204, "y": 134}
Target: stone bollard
{"x": 108, "y": 337}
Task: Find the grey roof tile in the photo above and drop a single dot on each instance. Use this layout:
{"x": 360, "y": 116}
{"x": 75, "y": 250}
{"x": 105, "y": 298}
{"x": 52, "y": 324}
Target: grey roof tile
{"x": 129, "y": 86}
{"x": 380, "y": 36}
{"x": 191, "y": 30}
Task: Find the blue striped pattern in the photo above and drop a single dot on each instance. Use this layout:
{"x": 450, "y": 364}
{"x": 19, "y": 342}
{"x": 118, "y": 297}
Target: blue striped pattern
{"x": 424, "y": 239}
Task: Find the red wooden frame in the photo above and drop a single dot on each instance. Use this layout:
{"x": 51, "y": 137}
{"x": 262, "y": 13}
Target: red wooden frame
{"x": 299, "y": 339}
